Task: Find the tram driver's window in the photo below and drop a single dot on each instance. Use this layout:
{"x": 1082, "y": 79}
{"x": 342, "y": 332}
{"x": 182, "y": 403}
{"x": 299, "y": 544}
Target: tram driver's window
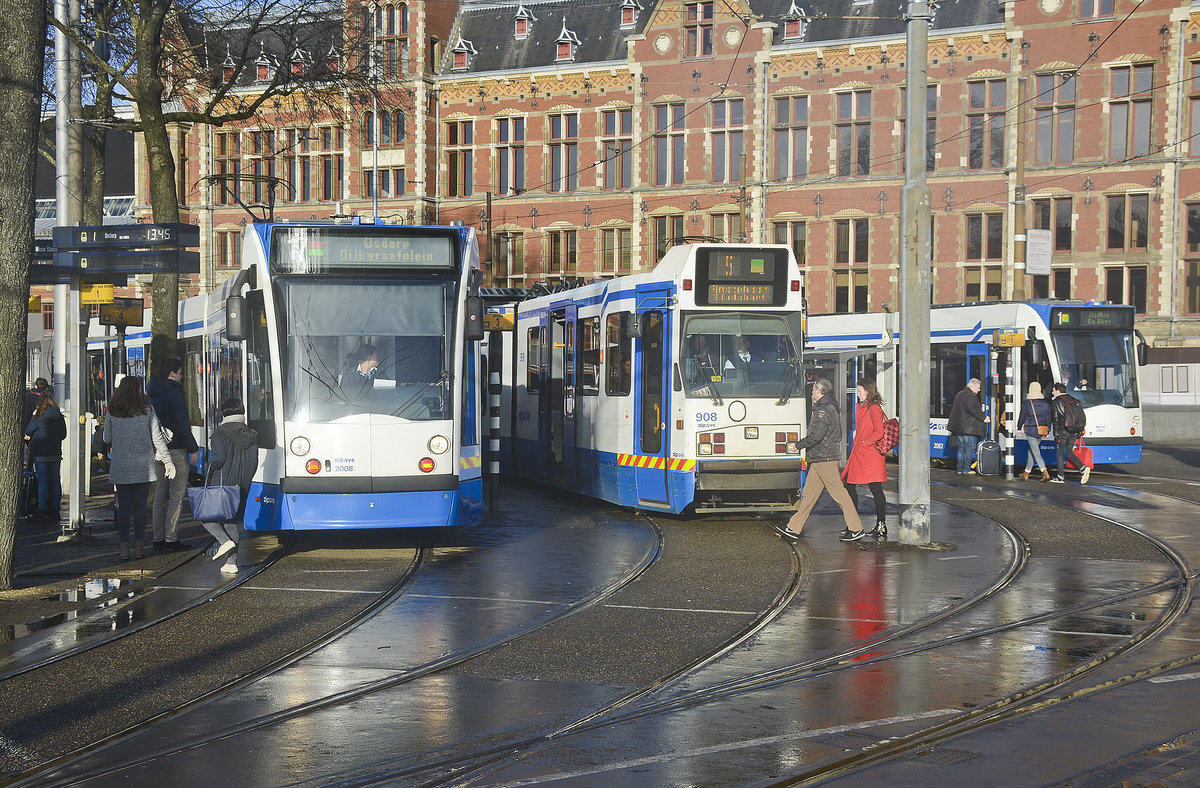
{"x": 533, "y": 356}
{"x": 618, "y": 358}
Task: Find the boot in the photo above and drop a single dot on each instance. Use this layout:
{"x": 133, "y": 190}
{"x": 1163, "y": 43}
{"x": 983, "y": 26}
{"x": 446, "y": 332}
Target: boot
{"x": 1045, "y": 475}
{"x": 123, "y": 551}
{"x": 137, "y": 549}
{"x": 879, "y": 531}
{"x": 1024, "y": 476}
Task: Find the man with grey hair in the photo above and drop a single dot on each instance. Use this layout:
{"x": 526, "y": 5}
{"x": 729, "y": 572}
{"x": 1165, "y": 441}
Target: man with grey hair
{"x": 823, "y": 443}
{"x": 967, "y": 424}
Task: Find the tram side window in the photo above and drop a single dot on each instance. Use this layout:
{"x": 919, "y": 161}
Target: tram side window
{"x": 948, "y": 376}
{"x": 226, "y": 378}
{"x": 260, "y": 404}
{"x": 618, "y": 356}
{"x": 533, "y": 362}
{"x": 193, "y": 374}
{"x": 589, "y": 362}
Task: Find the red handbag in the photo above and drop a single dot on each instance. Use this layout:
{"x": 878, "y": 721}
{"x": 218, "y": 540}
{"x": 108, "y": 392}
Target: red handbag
{"x": 1083, "y": 452}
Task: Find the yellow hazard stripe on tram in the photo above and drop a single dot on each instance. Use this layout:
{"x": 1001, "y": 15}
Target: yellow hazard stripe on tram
{"x": 640, "y": 461}
{"x": 466, "y": 463}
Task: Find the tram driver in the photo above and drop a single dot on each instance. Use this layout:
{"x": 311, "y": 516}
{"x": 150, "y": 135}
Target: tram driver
{"x": 364, "y": 375}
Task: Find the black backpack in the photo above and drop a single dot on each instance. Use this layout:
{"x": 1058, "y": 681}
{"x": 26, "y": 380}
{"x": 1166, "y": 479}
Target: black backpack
{"x": 1074, "y": 419}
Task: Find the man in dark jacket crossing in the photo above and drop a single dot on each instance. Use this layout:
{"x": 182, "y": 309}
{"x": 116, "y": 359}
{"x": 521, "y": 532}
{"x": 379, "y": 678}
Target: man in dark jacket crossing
{"x": 233, "y": 459}
{"x": 823, "y": 443}
{"x": 166, "y": 397}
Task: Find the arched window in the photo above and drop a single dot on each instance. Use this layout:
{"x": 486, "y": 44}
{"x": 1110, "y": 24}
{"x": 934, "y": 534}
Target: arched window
{"x": 390, "y": 27}
{"x": 385, "y": 128}
{"x": 369, "y": 127}
{"x": 400, "y": 121}
{"x": 402, "y": 10}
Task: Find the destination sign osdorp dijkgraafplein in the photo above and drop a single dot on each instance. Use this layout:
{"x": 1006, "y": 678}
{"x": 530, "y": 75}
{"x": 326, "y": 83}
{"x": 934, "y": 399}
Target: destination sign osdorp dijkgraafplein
{"x": 310, "y": 250}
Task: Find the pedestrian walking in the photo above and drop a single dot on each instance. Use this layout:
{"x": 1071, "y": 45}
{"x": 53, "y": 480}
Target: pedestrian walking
{"x": 139, "y": 454}
{"x": 967, "y": 424}
{"x": 1034, "y": 423}
{"x": 165, "y": 394}
{"x": 866, "y": 463}
{"x": 46, "y": 431}
{"x": 1069, "y": 422}
{"x": 823, "y": 443}
{"x": 233, "y": 459}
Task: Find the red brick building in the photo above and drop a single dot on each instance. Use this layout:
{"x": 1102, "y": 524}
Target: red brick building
{"x": 584, "y": 137}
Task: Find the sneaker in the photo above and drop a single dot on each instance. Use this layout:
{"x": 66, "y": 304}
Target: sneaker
{"x": 223, "y": 549}
{"x": 849, "y": 536}
{"x": 785, "y": 532}
{"x": 1087, "y": 472}
{"x": 160, "y": 544}
{"x": 1057, "y": 480}
{"x": 229, "y": 568}
{"x": 173, "y": 547}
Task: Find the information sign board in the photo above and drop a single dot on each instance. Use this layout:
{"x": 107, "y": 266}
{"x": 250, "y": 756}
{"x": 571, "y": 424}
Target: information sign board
{"x": 125, "y": 312}
{"x": 126, "y": 236}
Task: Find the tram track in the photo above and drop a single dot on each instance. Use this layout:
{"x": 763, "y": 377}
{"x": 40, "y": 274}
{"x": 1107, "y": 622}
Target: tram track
{"x": 432, "y": 668}
{"x": 278, "y": 562}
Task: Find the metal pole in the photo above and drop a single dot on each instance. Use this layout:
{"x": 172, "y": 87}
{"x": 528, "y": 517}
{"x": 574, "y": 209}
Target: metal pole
{"x": 495, "y": 359}
{"x": 79, "y": 467}
{"x": 62, "y": 193}
{"x": 1019, "y": 201}
{"x": 914, "y": 291}
{"x": 375, "y": 109}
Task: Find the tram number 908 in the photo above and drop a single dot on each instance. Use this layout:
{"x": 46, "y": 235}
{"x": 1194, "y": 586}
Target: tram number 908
{"x": 705, "y": 419}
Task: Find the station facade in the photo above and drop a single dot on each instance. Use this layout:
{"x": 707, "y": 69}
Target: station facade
{"x": 584, "y": 137}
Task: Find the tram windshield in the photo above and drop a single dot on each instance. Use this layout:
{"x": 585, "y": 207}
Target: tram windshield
{"x": 367, "y": 347}
{"x": 739, "y": 355}
{"x": 1098, "y": 368}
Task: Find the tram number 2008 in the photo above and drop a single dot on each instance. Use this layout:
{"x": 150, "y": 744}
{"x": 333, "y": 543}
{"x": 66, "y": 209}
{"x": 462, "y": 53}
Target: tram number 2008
{"x": 703, "y": 419}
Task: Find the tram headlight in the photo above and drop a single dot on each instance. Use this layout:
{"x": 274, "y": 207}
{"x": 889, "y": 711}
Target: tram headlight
{"x": 439, "y": 444}
{"x": 313, "y": 466}
{"x": 752, "y": 433}
{"x": 300, "y": 446}
{"x": 426, "y": 464}
{"x": 704, "y": 448}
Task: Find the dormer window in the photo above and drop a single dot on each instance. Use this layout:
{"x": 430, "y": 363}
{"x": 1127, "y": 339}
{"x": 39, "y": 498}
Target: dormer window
{"x": 523, "y": 22}
{"x": 299, "y": 62}
{"x": 263, "y": 67}
{"x": 463, "y": 54}
{"x": 629, "y": 12}
{"x": 566, "y": 44}
{"x": 228, "y": 68}
{"x": 332, "y": 61}
{"x": 795, "y": 23}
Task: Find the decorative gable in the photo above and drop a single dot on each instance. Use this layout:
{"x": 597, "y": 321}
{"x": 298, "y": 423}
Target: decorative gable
{"x": 566, "y": 44}
{"x": 263, "y": 69}
{"x": 523, "y": 22}
{"x": 462, "y": 54}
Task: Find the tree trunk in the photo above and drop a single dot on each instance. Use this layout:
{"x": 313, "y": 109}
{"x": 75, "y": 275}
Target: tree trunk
{"x": 22, "y": 40}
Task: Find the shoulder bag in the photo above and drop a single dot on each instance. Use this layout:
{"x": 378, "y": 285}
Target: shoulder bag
{"x": 214, "y": 503}
{"x": 1043, "y": 429}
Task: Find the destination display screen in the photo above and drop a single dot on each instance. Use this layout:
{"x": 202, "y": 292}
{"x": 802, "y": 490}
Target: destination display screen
{"x": 315, "y": 250}
{"x": 1091, "y": 319}
{"x": 741, "y": 276}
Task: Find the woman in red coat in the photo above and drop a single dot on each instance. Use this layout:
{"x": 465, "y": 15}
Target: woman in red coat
{"x": 865, "y": 465}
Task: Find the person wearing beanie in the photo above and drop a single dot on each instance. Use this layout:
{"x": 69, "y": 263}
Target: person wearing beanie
{"x": 1034, "y": 423}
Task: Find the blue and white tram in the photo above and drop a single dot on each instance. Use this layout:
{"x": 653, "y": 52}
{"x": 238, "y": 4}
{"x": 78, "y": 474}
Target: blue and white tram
{"x": 355, "y": 349}
{"x": 1091, "y": 348}
{"x": 661, "y": 391}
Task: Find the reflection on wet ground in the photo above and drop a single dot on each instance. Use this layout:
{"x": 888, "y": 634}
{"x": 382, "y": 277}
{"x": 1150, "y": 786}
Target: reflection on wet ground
{"x": 881, "y": 645}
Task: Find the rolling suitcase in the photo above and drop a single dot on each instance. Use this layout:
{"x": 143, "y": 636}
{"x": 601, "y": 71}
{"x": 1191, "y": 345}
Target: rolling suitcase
{"x": 28, "y": 504}
{"x": 987, "y": 461}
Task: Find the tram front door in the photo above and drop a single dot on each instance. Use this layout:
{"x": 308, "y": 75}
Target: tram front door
{"x": 652, "y": 391}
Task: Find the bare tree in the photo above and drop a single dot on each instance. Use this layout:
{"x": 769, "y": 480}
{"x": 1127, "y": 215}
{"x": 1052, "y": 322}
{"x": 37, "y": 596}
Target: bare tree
{"x": 22, "y": 49}
{"x": 216, "y": 62}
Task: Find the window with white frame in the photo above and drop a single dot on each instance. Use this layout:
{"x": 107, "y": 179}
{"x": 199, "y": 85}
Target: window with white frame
{"x": 851, "y": 241}
{"x": 459, "y": 152}
{"x": 667, "y": 230}
{"x": 564, "y": 152}
{"x": 698, "y": 29}
{"x": 1129, "y": 111}
{"x": 727, "y": 140}
{"x": 1054, "y": 214}
{"x": 1194, "y": 108}
{"x": 617, "y": 139}
{"x": 985, "y": 236}
{"x": 795, "y": 235}
{"x": 853, "y": 128}
{"x": 986, "y": 104}
{"x": 669, "y": 141}
{"x": 510, "y": 155}
{"x": 562, "y": 252}
{"x": 790, "y": 128}
{"x": 616, "y": 249}
{"x": 1091, "y": 9}
{"x": 727, "y": 227}
{"x": 1128, "y": 222}
{"x": 1126, "y": 285}
{"x": 1055, "y": 110}
{"x": 982, "y": 283}
{"x": 332, "y": 161}
{"x": 930, "y": 124}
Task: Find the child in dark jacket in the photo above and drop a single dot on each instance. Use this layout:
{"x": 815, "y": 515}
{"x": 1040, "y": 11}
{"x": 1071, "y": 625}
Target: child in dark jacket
{"x": 233, "y": 459}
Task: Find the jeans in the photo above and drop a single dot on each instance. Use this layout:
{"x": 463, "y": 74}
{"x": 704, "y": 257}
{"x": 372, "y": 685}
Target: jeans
{"x": 1064, "y": 445}
{"x": 967, "y": 444}
{"x": 168, "y": 496}
{"x": 131, "y": 505}
{"x": 49, "y": 484}
{"x": 1035, "y": 452}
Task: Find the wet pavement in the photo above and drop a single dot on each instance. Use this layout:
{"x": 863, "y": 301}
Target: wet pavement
{"x": 579, "y": 645}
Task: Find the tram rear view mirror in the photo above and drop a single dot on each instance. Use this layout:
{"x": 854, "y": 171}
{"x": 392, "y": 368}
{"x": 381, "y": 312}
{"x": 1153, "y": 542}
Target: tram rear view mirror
{"x": 1031, "y": 341}
{"x": 1143, "y": 354}
{"x": 474, "y": 314}
{"x": 236, "y": 327}
{"x": 630, "y": 326}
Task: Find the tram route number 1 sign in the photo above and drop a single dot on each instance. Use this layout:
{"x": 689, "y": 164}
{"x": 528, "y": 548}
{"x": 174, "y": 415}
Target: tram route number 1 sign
{"x": 122, "y": 312}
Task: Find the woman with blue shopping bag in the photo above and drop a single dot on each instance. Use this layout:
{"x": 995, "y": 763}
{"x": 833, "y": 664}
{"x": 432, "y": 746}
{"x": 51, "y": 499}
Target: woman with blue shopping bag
{"x": 232, "y": 461}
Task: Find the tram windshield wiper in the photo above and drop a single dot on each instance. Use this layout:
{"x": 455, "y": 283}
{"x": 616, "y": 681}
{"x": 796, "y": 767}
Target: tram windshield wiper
{"x": 441, "y": 377}
{"x": 789, "y": 384}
